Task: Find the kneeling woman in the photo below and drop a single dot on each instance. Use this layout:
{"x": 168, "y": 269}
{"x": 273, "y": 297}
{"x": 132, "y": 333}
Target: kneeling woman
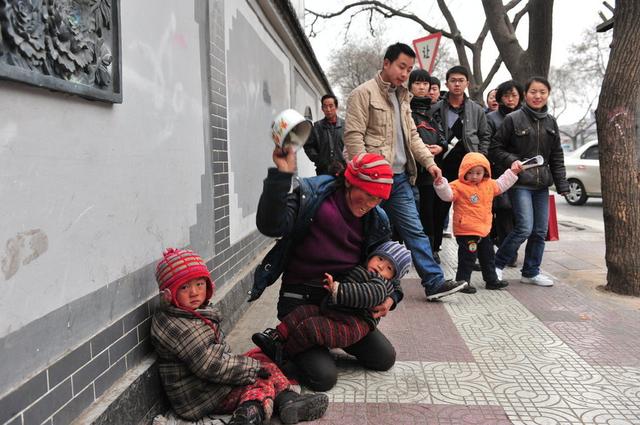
{"x": 326, "y": 225}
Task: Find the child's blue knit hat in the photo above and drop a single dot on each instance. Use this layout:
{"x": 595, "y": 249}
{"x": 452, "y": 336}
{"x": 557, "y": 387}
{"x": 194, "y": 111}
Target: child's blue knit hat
{"x": 397, "y": 254}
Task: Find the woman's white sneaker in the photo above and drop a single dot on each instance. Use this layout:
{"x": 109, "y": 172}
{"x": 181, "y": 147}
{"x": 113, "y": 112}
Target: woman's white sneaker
{"x": 540, "y": 280}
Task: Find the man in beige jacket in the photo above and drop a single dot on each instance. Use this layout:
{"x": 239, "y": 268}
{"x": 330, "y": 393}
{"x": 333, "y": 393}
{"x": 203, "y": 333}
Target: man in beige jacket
{"x": 379, "y": 121}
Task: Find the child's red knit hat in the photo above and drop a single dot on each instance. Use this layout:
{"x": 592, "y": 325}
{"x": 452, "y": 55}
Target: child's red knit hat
{"x": 371, "y": 173}
{"x": 179, "y": 266}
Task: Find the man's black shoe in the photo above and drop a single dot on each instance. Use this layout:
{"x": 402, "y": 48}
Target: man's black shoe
{"x": 305, "y": 407}
{"x": 498, "y": 284}
{"x": 469, "y": 289}
{"x": 449, "y": 287}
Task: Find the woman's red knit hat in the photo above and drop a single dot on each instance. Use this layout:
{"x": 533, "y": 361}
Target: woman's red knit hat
{"x": 371, "y": 173}
{"x": 179, "y": 266}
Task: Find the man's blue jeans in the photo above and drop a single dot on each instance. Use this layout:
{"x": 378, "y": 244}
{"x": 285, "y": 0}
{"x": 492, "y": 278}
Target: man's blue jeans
{"x": 403, "y": 214}
{"x": 531, "y": 213}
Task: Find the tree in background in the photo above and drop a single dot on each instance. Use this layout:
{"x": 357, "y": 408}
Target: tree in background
{"x": 577, "y": 84}
{"x": 354, "y": 63}
{"x": 618, "y": 119}
{"x": 521, "y": 63}
{"x": 359, "y": 60}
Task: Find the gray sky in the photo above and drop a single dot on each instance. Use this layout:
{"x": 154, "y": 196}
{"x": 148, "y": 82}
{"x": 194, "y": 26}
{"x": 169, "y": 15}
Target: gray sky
{"x": 571, "y": 18}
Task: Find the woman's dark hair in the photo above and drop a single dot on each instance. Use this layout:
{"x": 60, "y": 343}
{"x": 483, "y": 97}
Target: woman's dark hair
{"x": 506, "y": 87}
{"x": 537, "y": 79}
{"x": 419, "y": 75}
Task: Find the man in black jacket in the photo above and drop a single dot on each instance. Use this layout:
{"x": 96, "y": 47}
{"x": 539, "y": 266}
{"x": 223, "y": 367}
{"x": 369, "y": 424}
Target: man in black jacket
{"x": 324, "y": 147}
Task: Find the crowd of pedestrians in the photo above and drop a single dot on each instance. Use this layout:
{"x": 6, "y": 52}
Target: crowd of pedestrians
{"x": 405, "y": 152}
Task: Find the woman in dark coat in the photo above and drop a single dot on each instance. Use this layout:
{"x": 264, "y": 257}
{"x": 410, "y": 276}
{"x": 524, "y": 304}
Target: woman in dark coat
{"x": 525, "y": 133}
{"x": 509, "y": 95}
{"x": 432, "y": 209}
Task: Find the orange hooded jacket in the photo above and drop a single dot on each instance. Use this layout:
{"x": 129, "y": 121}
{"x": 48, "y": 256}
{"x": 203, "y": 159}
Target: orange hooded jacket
{"x": 472, "y": 202}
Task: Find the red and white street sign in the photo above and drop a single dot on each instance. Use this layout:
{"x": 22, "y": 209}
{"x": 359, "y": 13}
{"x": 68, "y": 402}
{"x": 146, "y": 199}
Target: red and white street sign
{"x": 426, "y": 49}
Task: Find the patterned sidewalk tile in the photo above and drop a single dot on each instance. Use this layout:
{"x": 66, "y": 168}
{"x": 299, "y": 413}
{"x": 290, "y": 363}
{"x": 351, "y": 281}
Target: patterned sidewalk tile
{"x": 413, "y": 414}
{"x": 424, "y": 331}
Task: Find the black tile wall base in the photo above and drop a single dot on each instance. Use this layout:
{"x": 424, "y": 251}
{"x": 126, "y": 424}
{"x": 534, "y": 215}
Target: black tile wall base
{"x": 129, "y": 400}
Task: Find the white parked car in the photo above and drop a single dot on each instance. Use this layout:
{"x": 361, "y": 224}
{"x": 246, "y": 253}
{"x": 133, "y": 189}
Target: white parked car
{"x": 583, "y": 173}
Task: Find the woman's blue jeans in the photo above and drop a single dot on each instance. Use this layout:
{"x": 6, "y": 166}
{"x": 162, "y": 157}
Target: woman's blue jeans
{"x": 531, "y": 214}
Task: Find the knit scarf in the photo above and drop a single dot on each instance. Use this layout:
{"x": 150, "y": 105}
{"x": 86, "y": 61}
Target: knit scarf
{"x": 537, "y": 114}
{"x": 505, "y": 110}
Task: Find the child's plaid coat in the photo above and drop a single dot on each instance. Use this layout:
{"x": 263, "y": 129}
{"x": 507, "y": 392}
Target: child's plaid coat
{"x": 197, "y": 368}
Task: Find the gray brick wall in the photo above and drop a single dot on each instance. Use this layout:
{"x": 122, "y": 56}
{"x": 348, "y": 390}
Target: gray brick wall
{"x": 58, "y": 394}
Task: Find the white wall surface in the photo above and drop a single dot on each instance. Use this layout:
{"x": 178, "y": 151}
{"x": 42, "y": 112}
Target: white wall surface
{"x": 91, "y": 192}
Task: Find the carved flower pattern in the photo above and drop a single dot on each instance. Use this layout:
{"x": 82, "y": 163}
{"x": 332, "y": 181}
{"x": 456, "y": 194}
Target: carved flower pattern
{"x": 67, "y": 39}
{"x": 103, "y": 62}
{"x": 23, "y": 25}
{"x": 68, "y": 42}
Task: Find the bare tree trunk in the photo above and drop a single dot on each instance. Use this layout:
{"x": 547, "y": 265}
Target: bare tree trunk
{"x": 618, "y": 119}
{"x": 522, "y": 63}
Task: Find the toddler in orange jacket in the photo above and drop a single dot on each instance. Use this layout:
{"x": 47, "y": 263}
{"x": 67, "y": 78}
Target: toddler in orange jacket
{"x": 472, "y": 197}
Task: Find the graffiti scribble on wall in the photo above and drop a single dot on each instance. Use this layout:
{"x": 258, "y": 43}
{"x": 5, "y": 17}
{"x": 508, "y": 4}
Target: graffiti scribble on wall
{"x": 65, "y": 45}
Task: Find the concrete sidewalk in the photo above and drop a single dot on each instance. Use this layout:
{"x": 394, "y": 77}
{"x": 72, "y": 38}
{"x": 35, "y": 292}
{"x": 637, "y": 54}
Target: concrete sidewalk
{"x": 569, "y": 354}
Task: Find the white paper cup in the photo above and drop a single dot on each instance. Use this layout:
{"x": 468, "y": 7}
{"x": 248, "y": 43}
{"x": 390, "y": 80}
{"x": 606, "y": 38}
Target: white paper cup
{"x": 290, "y": 128}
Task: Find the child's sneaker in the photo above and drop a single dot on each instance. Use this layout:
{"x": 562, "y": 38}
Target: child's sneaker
{"x": 248, "y": 413}
{"x": 270, "y": 342}
{"x": 498, "y": 284}
{"x": 304, "y": 407}
{"x": 539, "y": 279}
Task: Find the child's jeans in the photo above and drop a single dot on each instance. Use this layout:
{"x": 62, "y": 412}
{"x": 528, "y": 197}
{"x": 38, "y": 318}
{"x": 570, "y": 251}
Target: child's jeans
{"x": 470, "y": 248}
{"x": 307, "y": 327}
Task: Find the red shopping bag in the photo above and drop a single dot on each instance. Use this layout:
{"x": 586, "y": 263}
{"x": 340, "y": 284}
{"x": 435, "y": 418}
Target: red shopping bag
{"x": 552, "y": 230}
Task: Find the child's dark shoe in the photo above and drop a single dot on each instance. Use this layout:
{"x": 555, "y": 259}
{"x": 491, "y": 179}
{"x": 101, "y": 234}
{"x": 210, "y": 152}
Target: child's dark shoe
{"x": 248, "y": 413}
{"x": 270, "y": 342}
{"x": 304, "y": 407}
{"x": 498, "y": 284}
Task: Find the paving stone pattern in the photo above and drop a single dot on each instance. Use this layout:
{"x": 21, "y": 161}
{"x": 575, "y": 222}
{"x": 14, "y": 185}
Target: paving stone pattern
{"x": 525, "y": 355}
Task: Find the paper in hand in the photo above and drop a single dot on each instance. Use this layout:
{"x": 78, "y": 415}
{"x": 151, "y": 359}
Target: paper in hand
{"x": 536, "y": 161}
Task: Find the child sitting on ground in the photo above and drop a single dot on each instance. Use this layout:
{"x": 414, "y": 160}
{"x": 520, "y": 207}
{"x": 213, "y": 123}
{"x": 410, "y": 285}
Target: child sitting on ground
{"x": 345, "y": 316}
{"x": 472, "y": 196}
{"x": 198, "y": 371}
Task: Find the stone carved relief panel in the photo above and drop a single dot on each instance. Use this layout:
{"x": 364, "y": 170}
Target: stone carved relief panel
{"x": 65, "y": 45}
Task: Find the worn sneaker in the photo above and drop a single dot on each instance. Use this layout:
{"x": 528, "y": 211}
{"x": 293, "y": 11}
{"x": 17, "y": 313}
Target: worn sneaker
{"x": 271, "y": 343}
{"x": 449, "y": 287}
{"x": 469, "y": 289}
{"x": 248, "y": 413}
{"x": 498, "y": 284}
{"x": 305, "y": 407}
{"x": 499, "y": 273}
{"x": 539, "y": 279}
